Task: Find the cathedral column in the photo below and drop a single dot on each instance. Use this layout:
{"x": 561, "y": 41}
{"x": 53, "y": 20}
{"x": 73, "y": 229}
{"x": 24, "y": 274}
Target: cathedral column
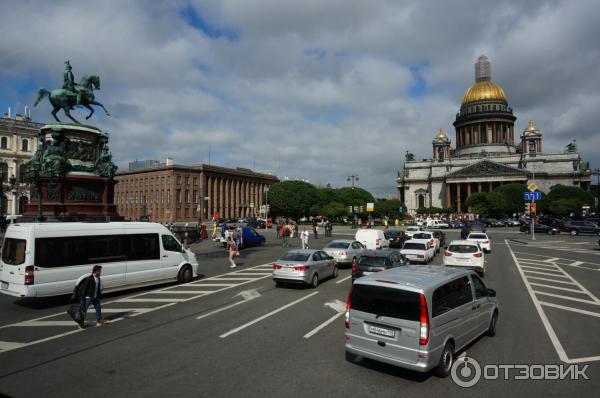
{"x": 478, "y": 187}
{"x": 458, "y": 204}
{"x": 490, "y": 186}
{"x": 448, "y": 196}
{"x": 468, "y": 189}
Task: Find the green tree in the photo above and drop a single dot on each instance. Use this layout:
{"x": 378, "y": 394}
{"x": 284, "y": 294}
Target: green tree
{"x": 361, "y": 196}
{"x": 478, "y": 203}
{"x": 563, "y": 200}
{"x": 334, "y": 210}
{"x": 389, "y": 208}
{"x": 514, "y": 196}
{"x": 293, "y": 198}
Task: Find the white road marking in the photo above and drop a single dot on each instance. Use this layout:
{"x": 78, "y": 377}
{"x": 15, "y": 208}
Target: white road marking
{"x": 148, "y": 300}
{"x": 173, "y": 291}
{"x": 550, "y": 280}
{"x": 539, "y": 268}
{"x": 575, "y": 263}
{"x": 224, "y": 335}
{"x": 545, "y": 273}
{"x": 46, "y": 323}
{"x": 563, "y": 307}
{"x": 563, "y": 297}
{"x": 9, "y": 345}
{"x": 343, "y": 279}
{"x": 552, "y": 260}
{"x": 555, "y": 287}
{"x": 321, "y": 326}
{"x": 247, "y": 295}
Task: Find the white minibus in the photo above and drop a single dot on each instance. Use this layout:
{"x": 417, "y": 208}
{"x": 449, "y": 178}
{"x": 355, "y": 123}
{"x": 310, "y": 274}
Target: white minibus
{"x": 50, "y": 259}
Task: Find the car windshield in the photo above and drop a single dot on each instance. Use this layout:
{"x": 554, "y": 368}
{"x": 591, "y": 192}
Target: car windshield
{"x": 414, "y": 246}
{"x": 462, "y": 249}
{"x": 478, "y": 236}
{"x": 390, "y": 234}
{"x": 422, "y": 236}
{"x": 295, "y": 257}
{"x": 337, "y": 245}
{"x": 373, "y": 261}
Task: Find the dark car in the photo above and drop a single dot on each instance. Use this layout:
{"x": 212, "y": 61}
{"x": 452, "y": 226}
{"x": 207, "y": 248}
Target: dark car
{"x": 377, "y": 260}
{"x": 478, "y": 226}
{"x": 539, "y": 229}
{"x": 396, "y": 237}
{"x": 456, "y": 224}
{"x": 256, "y": 223}
{"x": 440, "y": 236}
{"x": 580, "y": 227}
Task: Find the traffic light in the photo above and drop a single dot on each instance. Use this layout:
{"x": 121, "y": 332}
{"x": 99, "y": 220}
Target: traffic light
{"x": 527, "y": 208}
{"x": 533, "y": 208}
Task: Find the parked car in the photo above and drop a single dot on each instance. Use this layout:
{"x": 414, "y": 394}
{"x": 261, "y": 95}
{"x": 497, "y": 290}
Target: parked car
{"x": 410, "y": 231}
{"x": 580, "y": 227}
{"x": 492, "y": 222}
{"x": 483, "y": 239}
{"x": 377, "y": 260}
{"x": 539, "y": 229}
{"x": 439, "y": 235}
{"x": 430, "y": 238}
{"x": 456, "y": 224}
{"x": 418, "y": 317}
{"x": 465, "y": 254}
{"x": 396, "y": 237}
{"x": 344, "y": 251}
{"x": 372, "y": 239}
{"x": 307, "y": 266}
{"x": 249, "y": 238}
{"x": 436, "y": 224}
{"x": 417, "y": 250}
{"x": 478, "y": 225}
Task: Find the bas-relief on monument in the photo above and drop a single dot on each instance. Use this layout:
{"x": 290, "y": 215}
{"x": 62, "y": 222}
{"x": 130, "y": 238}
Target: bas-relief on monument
{"x": 486, "y": 154}
{"x": 72, "y": 170}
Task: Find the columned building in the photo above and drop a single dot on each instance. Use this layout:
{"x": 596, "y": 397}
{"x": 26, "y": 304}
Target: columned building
{"x": 18, "y": 143}
{"x": 487, "y": 154}
{"x": 176, "y": 193}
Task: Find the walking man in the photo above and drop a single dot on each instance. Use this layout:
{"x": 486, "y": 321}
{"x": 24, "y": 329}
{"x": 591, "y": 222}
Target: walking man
{"x": 304, "y": 238}
{"x": 89, "y": 292}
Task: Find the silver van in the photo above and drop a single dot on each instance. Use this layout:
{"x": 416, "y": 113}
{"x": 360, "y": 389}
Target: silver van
{"x": 418, "y": 317}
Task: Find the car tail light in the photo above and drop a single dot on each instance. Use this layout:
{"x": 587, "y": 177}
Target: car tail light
{"x": 431, "y": 243}
{"x": 354, "y": 268}
{"x": 301, "y": 267}
{"x": 347, "y": 316}
{"x": 29, "y": 278}
{"x": 276, "y": 266}
{"x": 447, "y": 254}
{"x": 486, "y": 241}
{"x": 478, "y": 255}
{"x": 377, "y": 241}
{"x": 343, "y": 253}
{"x": 424, "y": 321}
{"x": 420, "y": 256}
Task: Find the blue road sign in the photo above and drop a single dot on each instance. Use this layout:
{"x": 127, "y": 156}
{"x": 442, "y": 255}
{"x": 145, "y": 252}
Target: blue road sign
{"x": 537, "y": 195}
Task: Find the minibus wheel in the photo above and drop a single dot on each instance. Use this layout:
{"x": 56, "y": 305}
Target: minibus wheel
{"x": 446, "y": 360}
{"x": 185, "y": 274}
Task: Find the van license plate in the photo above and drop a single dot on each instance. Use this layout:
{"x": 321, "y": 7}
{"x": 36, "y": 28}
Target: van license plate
{"x": 382, "y": 331}
{"x": 5, "y": 285}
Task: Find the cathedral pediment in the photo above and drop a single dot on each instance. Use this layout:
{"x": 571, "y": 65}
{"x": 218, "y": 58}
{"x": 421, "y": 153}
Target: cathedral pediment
{"x": 487, "y": 168}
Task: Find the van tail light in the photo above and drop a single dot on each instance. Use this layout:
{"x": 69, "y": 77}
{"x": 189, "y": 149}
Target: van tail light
{"x": 447, "y": 254}
{"x": 347, "y": 315}
{"x": 29, "y": 278}
{"x": 301, "y": 267}
{"x": 420, "y": 256}
{"x": 478, "y": 255}
{"x": 424, "y": 321}
{"x": 276, "y": 266}
{"x": 354, "y": 268}
{"x": 377, "y": 241}
{"x": 486, "y": 241}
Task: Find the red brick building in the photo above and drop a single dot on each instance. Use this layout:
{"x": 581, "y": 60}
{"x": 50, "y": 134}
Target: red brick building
{"x": 176, "y": 193}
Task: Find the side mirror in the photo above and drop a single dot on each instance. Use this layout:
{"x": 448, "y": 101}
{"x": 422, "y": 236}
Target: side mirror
{"x": 491, "y": 293}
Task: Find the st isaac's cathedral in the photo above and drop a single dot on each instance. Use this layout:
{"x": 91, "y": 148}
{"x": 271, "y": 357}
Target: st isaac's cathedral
{"x": 486, "y": 154}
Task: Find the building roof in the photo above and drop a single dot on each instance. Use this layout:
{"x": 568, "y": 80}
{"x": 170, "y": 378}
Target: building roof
{"x": 487, "y": 168}
{"x": 239, "y": 171}
{"x": 484, "y": 90}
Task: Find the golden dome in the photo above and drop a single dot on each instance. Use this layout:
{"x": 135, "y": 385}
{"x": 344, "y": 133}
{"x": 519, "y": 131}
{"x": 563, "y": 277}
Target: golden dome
{"x": 484, "y": 90}
{"x": 441, "y": 135}
{"x": 531, "y": 126}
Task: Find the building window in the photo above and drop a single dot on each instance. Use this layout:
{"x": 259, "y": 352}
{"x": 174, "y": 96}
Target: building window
{"x": 187, "y": 196}
{"x": 25, "y": 145}
{"x": 421, "y": 200}
{"x": 195, "y": 181}
{"x": 187, "y": 180}
{"x": 178, "y": 180}
{"x": 178, "y": 196}
{"x": 195, "y": 196}
{"x": 168, "y": 196}
{"x": 4, "y": 143}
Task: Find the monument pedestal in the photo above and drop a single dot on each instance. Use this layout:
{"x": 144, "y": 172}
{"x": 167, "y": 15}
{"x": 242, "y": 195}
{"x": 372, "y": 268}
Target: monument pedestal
{"x": 73, "y": 173}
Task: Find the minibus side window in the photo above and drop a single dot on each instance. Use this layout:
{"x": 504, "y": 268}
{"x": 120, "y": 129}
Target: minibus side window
{"x": 170, "y": 244}
{"x": 13, "y": 251}
{"x": 143, "y": 247}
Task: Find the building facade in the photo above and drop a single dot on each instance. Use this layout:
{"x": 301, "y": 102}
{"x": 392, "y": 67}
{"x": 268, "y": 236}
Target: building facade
{"x": 486, "y": 154}
{"x": 176, "y": 193}
{"x": 18, "y": 143}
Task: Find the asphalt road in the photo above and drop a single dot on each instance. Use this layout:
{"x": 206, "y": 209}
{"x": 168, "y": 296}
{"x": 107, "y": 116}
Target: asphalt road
{"x": 232, "y": 332}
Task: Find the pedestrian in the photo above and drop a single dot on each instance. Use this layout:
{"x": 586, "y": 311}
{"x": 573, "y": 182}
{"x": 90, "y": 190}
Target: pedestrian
{"x": 296, "y": 234}
{"x": 89, "y": 292}
{"x": 186, "y": 240}
{"x": 233, "y": 251}
{"x": 304, "y": 238}
{"x": 316, "y": 231}
{"x": 285, "y": 235}
{"x": 464, "y": 232}
{"x": 214, "y": 230}
{"x": 203, "y": 233}
{"x": 396, "y": 222}
{"x": 237, "y": 237}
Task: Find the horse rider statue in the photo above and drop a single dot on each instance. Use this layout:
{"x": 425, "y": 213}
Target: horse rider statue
{"x": 69, "y": 82}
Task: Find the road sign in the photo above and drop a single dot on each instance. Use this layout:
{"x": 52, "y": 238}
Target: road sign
{"x": 532, "y": 187}
{"x": 537, "y": 195}
{"x": 370, "y": 206}
{"x": 533, "y": 208}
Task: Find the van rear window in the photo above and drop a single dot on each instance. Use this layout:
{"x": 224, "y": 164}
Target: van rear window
{"x": 13, "y": 251}
{"x": 383, "y": 301}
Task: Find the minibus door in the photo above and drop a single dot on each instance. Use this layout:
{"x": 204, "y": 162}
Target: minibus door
{"x": 171, "y": 255}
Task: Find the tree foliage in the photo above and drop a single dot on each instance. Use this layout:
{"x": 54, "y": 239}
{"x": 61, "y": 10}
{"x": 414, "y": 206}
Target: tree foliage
{"x": 293, "y": 198}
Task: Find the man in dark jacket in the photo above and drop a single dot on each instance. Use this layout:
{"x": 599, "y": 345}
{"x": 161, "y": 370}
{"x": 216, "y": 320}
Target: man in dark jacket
{"x": 464, "y": 232}
{"x": 89, "y": 292}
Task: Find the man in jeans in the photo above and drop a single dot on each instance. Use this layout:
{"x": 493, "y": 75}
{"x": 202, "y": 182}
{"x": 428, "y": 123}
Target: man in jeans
{"x": 89, "y": 292}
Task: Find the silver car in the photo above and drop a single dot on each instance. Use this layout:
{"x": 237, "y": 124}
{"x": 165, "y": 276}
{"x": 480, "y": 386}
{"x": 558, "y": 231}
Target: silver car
{"x": 418, "y": 317}
{"x": 344, "y": 251}
{"x": 304, "y": 266}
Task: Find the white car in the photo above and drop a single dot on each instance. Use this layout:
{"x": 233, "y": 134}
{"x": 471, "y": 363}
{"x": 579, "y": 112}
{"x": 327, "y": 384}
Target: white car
{"x": 483, "y": 240}
{"x": 428, "y": 236}
{"x": 372, "y": 239}
{"x": 417, "y": 250}
{"x": 410, "y": 231}
{"x": 465, "y": 253}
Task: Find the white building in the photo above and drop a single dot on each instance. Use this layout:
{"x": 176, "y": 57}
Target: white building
{"x": 486, "y": 154}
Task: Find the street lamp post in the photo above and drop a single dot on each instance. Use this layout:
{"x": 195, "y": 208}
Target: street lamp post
{"x": 353, "y": 178}
{"x": 266, "y": 207}
{"x": 596, "y": 172}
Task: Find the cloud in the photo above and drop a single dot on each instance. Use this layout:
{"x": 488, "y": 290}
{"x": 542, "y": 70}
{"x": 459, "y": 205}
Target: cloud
{"x": 314, "y": 90}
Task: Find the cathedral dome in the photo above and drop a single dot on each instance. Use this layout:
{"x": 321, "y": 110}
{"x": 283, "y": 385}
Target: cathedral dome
{"x": 484, "y": 90}
{"x": 441, "y": 136}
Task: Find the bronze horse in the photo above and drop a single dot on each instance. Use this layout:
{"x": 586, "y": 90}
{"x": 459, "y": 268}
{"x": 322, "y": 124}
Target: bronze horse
{"x": 66, "y": 99}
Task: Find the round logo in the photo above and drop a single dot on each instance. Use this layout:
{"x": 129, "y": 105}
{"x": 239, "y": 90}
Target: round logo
{"x": 466, "y": 372}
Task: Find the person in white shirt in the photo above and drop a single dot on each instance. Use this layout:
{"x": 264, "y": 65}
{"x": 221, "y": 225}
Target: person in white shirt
{"x": 304, "y": 237}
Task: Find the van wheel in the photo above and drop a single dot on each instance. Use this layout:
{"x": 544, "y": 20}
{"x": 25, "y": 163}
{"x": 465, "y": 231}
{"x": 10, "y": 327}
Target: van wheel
{"x": 185, "y": 274}
{"x": 492, "y": 328}
{"x": 446, "y": 361}
{"x": 315, "y": 281}
{"x": 350, "y": 357}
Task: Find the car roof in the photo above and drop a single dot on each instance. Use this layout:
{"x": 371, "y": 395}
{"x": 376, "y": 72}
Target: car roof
{"x": 377, "y": 253}
{"x": 477, "y": 233}
{"x": 341, "y": 241}
{"x": 463, "y": 242}
{"x": 414, "y": 277}
{"x": 304, "y": 251}
{"x": 423, "y": 241}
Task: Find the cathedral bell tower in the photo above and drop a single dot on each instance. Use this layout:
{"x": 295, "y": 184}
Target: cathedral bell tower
{"x": 441, "y": 146}
{"x": 531, "y": 139}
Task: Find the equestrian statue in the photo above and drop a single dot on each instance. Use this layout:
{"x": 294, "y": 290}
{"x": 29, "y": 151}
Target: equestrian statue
{"x": 72, "y": 95}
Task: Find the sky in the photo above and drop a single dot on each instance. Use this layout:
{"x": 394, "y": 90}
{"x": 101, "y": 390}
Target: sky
{"x": 314, "y": 90}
